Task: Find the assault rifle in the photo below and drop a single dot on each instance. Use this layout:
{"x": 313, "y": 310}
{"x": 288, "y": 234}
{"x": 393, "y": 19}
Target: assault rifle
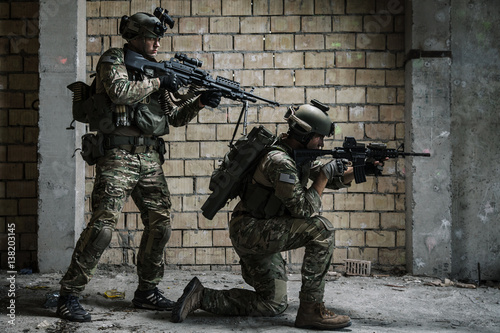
{"x": 188, "y": 69}
{"x": 355, "y": 152}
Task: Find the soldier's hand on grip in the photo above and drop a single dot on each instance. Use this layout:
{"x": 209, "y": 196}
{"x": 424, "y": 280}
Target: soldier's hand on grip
{"x": 335, "y": 168}
{"x": 373, "y": 168}
{"x": 211, "y": 98}
{"x": 170, "y": 82}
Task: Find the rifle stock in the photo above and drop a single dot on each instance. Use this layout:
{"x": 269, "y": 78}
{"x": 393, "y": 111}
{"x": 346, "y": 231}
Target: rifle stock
{"x": 355, "y": 152}
{"x": 188, "y": 69}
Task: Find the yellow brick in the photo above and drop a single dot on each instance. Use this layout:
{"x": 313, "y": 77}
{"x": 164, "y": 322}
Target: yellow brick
{"x": 187, "y": 43}
{"x": 180, "y": 185}
{"x": 349, "y": 238}
{"x": 228, "y": 60}
{"x": 278, "y": 77}
{"x": 172, "y": 168}
{"x": 392, "y": 113}
{"x": 340, "y": 41}
{"x": 379, "y": 202}
{"x": 351, "y": 23}
{"x": 324, "y": 95}
{"x": 365, "y": 253}
{"x": 193, "y": 203}
{"x": 210, "y": 256}
{"x": 391, "y": 185}
{"x": 392, "y": 257}
{"x": 279, "y": 42}
{"x": 317, "y": 23}
{"x": 400, "y": 131}
{"x": 184, "y": 150}
{"x": 249, "y": 42}
{"x": 231, "y": 256}
{"x": 184, "y": 220}
{"x": 249, "y": 78}
{"x": 220, "y": 221}
{"x": 380, "y": 131}
{"x": 270, "y": 115}
{"x": 93, "y": 9}
{"x": 193, "y": 25}
{"x": 206, "y": 7}
{"x": 401, "y": 238}
{"x": 395, "y": 77}
{"x": 112, "y": 256}
{"x": 354, "y": 95}
{"x": 380, "y": 60}
{"x": 252, "y": 24}
{"x": 381, "y": 95}
{"x": 360, "y": 7}
{"x": 102, "y": 27}
{"x": 280, "y": 24}
{"x": 199, "y": 132}
{"x": 370, "y": 41}
{"x": 395, "y": 42}
{"x": 381, "y": 238}
{"x": 221, "y": 238}
{"x": 199, "y": 167}
{"x": 340, "y": 220}
{"x": 319, "y": 59}
{"x": 348, "y": 201}
{"x": 115, "y": 8}
{"x": 290, "y": 95}
{"x": 175, "y": 239}
{"x": 344, "y": 77}
{"x": 309, "y": 42}
{"x": 299, "y": 7}
{"x": 217, "y": 43}
{"x": 10, "y": 64}
{"x": 202, "y": 183}
{"x": 364, "y": 220}
{"x": 400, "y": 202}
{"x": 291, "y": 60}
{"x": 215, "y": 149}
{"x": 352, "y": 129}
{"x": 339, "y": 255}
{"x": 309, "y": 77}
{"x": 258, "y": 60}
{"x": 196, "y": 238}
{"x": 370, "y": 77}
{"x": 180, "y": 256}
{"x": 236, "y": 7}
{"x": 351, "y": 59}
{"x": 23, "y": 81}
{"x": 363, "y": 113}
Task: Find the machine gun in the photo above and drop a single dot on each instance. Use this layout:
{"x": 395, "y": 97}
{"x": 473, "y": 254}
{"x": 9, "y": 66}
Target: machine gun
{"x": 355, "y": 152}
{"x": 189, "y": 69}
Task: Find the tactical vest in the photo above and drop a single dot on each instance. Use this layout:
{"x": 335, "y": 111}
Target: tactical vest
{"x": 104, "y": 116}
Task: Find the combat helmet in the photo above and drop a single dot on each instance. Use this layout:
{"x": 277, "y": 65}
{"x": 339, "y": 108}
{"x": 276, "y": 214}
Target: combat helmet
{"x": 306, "y": 120}
{"x": 145, "y": 24}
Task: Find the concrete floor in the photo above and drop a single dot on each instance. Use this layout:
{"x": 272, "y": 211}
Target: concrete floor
{"x": 375, "y": 304}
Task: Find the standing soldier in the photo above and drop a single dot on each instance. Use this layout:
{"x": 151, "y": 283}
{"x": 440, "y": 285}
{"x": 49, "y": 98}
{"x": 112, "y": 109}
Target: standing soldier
{"x": 278, "y": 213}
{"x": 129, "y": 112}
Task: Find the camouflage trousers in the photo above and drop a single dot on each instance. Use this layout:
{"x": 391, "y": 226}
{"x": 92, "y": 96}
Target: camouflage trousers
{"x": 120, "y": 174}
{"x": 259, "y": 243}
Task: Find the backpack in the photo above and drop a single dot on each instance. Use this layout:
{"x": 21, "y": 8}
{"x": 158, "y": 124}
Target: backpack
{"x": 239, "y": 163}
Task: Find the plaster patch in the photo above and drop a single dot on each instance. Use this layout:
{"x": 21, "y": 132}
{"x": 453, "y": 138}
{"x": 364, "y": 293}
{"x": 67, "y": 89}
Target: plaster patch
{"x": 419, "y": 262}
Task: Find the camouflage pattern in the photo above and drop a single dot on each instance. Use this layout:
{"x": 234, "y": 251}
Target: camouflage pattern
{"x": 259, "y": 242}
{"x": 120, "y": 174}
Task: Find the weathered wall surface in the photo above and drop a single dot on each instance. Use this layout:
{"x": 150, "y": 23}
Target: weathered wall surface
{"x": 475, "y": 87}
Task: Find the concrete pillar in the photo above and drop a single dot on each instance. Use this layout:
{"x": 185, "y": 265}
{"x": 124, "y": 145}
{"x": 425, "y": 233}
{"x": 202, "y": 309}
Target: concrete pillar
{"x": 427, "y": 123}
{"x": 61, "y": 176}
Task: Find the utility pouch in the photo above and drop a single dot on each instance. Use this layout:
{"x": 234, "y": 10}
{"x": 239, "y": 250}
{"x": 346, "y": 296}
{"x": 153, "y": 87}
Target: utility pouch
{"x": 150, "y": 118}
{"x": 92, "y": 147}
{"x": 160, "y": 148}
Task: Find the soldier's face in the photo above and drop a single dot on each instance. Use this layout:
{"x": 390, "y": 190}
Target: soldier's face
{"x": 316, "y": 142}
{"x": 151, "y": 46}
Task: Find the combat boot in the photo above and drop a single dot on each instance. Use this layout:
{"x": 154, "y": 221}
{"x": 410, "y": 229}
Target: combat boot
{"x": 317, "y": 316}
{"x": 152, "y": 300}
{"x": 189, "y": 301}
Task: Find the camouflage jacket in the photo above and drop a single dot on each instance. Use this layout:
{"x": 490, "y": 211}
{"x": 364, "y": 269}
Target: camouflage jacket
{"x": 278, "y": 172}
{"x": 114, "y": 80}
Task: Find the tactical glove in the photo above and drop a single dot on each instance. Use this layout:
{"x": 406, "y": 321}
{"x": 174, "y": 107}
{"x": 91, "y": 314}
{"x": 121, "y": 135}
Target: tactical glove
{"x": 211, "y": 98}
{"x": 371, "y": 169}
{"x": 171, "y": 82}
{"x": 335, "y": 168}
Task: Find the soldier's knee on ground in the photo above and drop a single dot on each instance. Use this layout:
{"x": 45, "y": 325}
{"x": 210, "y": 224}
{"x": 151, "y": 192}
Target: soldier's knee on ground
{"x": 279, "y": 303}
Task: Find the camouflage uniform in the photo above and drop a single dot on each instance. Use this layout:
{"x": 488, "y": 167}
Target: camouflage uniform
{"x": 259, "y": 238}
{"x": 124, "y": 171}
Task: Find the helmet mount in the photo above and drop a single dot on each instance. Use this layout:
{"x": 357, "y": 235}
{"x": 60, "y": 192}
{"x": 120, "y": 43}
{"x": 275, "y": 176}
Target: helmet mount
{"x": 307, "y": 120}
{"x": 145, "y": 24}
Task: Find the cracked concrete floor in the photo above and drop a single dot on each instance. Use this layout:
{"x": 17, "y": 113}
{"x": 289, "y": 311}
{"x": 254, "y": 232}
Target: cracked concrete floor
{"x": 375, "y": 304}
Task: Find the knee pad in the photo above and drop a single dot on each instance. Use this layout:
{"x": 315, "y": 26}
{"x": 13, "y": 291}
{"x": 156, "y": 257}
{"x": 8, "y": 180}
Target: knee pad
{"x": 102, "y": 238}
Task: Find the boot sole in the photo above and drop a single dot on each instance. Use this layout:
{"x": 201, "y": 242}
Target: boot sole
{"x": 178, "y": 309}
{"x": 324, "y": 327}
{"x": 150, "y": 307}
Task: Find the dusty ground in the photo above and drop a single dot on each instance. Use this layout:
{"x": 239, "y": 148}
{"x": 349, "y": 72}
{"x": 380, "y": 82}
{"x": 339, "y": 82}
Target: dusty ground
{"x": 375, "y": 304}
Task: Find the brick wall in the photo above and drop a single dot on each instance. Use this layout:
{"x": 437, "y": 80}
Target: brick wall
{"x": 18, "y": 131}
{"x": 348, "y": 54}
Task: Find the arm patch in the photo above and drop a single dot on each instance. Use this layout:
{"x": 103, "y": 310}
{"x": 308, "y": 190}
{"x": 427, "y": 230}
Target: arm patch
{"x": 286, "y": 178}
{"x": 285, "y": 186}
